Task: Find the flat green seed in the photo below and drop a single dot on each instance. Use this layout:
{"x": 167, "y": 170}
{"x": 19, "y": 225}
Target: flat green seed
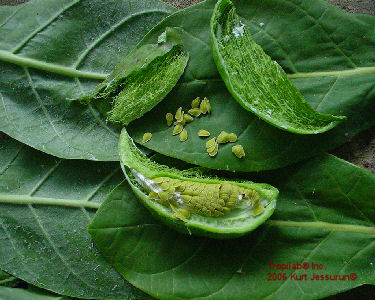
{"x": 213, "y": 152}
{"x": 196, "y": 112}
{"x": 211, "y": 142}
{"x": 203, "y": 133}
{"x": 188, "y": 118}
{"x": 232, "y": 138}
{"x": 178, "y": 114}
{"x": 183, "y": 135}
{"x": 238, "y": 151}
{"x": 223, "y": 137}
{"x": 203, "y": 107}
{"x": 181, "y": 119}
{"x": 195, "y": 103}
{"x": 164, "y": 196}
{"x": 208, "y": 105}
{"x": 164, "y": 186}
{"x": 171, "y": 190}
{"x": 158, "y": 180}
{"x": 212, "y": 148}
{"x": 184, "y": 212}
{"x": 169, "y": 118}
{"x": 258, "y": 210}
{"x": 177, "y": 129}
{"x": 146, "y": 137}
{"x": 180, "y": 122}
{"x": 152, "y": 195}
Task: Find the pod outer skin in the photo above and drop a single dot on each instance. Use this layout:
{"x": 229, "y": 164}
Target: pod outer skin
{"x": 226, "y": 78}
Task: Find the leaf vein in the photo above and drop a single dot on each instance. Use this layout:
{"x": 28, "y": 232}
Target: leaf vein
{"x": 112, "y": 29}
{"x": 61, "y": 257}
{"x": 42, "y": 27}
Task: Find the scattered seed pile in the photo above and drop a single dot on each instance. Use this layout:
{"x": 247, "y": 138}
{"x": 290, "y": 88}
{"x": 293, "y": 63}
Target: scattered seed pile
{"x": 198, "y": 108}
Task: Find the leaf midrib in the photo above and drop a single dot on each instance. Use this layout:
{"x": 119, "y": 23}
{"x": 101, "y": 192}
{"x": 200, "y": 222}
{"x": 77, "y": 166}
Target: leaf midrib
{"x": 26, "y": 200}
{"x": 324, "y": 225}
{"x": 7, "y": 56}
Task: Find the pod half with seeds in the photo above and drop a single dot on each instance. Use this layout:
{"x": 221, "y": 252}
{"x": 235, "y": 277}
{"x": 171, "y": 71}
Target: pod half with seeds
{"x": 192, "y": 203}
{"x": 141, "y": 80}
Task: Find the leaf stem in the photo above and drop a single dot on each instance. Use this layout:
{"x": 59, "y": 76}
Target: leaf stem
{"x": 49, "y": 67}
{"x": 24, "y": 199}
{"x": 324, "y": 225}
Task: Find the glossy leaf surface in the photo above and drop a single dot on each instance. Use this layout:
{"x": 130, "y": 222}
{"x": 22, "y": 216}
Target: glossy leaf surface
{"x": 325, "y": 216}
{"x": 46, "y": 204}
{"x": 328, "y": 54}
{"x": 58, "y": 52}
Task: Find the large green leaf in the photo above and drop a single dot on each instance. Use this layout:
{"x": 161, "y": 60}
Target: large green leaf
{"x": 32, "y": 293}
{"x": 50, "y": 52}
{"x": 8, "y": 280}
{"x": 45, "y": 206}
{"x": 325, "y": 215}
{"x": 329, "y": 55}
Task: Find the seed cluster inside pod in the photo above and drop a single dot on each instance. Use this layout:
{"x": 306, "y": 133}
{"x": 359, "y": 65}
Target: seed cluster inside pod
{"x": 192, "y": 197}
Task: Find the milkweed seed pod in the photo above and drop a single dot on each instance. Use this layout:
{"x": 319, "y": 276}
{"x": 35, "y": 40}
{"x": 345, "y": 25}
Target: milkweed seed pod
{"x": 193, "y": 203}
{"x": 257, "y": 82}
{"x": 141, "y": 80}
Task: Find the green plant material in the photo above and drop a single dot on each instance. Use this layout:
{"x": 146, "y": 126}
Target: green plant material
{"x": 232, "y": 137}
{"x": 203, "y": 133}
{"x": 205, "y": 106}
{"x": 146, "y": 137}
{"x": 177, "y": 129}
{"x": 8, "y": 280}
{"x": 223, "y": 138}
{"x": 196, "y": 112}
{"x": 45, "y": 206}
{"x": 141, "y": 80}
{"x": 331, "y": 63}
{"x": 169, "y": 118}
{"x": 238, "y": 151}
{"x": 183, "y": 135}
{"x": 191, "y": 203}
{"x": 196, "y": 103}
{"x": 59, "y": 54}
{"x": 259, "y": 84}
{"x": 211, "y": 142}
{"x": 31, "y": 293}
{"x": 179, "y": 114}
{"x": 325, "y": 215}
{"x": 212, "y": 151}
{"x": 188, "y": 118}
